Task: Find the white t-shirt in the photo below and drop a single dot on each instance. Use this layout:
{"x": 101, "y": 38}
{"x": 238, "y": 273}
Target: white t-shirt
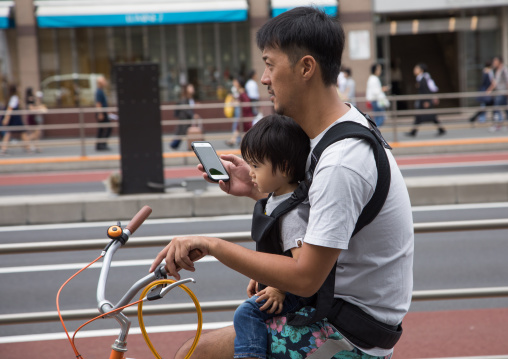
{"x": 251, "y": 87}
{"x": 13, "y": 102}
{"x": 292, "y": 225}
{"x": 375, "y": 267}
{"x": 374, "y": 89}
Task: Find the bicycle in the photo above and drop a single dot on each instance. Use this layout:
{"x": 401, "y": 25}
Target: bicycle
{"x": 156, "y": 286}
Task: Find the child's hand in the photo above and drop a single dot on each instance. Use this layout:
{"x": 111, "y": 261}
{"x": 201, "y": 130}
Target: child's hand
{"x": 274, "y": 300}
{"x": 252, "y": 288}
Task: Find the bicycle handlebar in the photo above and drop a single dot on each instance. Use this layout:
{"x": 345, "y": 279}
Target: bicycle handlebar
{"x": 138, "y": 219}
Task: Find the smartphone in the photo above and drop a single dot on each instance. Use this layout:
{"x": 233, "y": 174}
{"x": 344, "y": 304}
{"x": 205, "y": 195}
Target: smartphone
{"x": 210, "y": 161}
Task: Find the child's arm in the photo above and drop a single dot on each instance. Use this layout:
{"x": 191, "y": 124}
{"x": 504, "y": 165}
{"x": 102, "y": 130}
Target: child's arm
{"x": 274, "y": 299}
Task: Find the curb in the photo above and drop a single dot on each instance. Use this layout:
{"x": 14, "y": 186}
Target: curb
{"x": 102, "y": 206}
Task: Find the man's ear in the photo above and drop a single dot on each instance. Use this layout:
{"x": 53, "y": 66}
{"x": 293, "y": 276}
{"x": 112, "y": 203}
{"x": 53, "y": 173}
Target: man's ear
{"x": 308, "y": 67}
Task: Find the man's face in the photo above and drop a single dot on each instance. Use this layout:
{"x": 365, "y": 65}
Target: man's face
{"x": 280, "y": 80}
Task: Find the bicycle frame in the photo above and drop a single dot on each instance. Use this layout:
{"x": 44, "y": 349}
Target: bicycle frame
{"x": 154, "y": 291}
{"x": 105, "y": 306}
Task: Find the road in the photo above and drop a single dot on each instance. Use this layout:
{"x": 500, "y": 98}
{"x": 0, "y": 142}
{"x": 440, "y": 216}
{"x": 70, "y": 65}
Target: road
{"x": 29, "y": 282}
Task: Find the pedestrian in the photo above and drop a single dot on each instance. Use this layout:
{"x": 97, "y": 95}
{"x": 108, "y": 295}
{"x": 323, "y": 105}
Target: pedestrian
{"x": 247, "y": 111}
{"x": 425, "y": 86}
{"x": 375, "y": 94}
{"x": 14, "y": 120}
{"x": 367, "y": 271}
{"x": 101, "y": 102}
{"x": 499, "y": 84}
{"x": 484, "y": 100}
{"x": 349, "y": 93}
{"x": 184, "y": 115}
{"x": 34, "y": 103}
{"x": 235, "y": 138}
{"x": 277, "y": 165}
{"x": 252, "y": 90}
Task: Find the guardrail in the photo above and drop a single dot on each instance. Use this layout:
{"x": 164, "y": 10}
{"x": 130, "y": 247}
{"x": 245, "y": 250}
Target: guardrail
{"x": 422, "y": 295}
{"x": 234, "y": 237}
{"x": 397, "y": 120}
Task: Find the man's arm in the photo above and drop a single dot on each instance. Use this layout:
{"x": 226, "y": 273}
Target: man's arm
{"x": 100, "y": 115}
{"x": 302, "y": 276}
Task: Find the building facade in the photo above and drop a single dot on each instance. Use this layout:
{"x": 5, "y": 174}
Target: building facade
{"x": 59, "y": 45}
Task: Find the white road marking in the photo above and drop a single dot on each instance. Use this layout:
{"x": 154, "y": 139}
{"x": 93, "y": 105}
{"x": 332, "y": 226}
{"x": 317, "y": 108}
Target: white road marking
{"x": 46, "y": 227}
{"x": 77, "y": 266}
{"x": 110, "y": 332}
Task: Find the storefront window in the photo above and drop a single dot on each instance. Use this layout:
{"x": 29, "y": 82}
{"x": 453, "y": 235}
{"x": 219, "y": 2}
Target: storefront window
{"x": 120, "y": 45}
{"x": 172, "y": 68}
{"x": 207, "y": 55}
{"x": 137, "y": 44}
{"x": 48, "y": 61}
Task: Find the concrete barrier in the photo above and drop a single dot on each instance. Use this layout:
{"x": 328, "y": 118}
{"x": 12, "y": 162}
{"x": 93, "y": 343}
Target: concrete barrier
{"x": 103, "y": 206}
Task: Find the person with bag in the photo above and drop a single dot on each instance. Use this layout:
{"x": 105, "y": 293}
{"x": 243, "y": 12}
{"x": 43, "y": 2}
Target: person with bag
{"x": 184, "y": 115}
{"x": 14, "y": 121}
{"x": 500, "y": 83}
{"x": 233, "y": 110}
{"x": 363, "y": 260}
{"x": 376, "y": 94}
{"x": 484, "y": 100}
{"x": 425, "y": 85}
{"x": 101, "y": 101}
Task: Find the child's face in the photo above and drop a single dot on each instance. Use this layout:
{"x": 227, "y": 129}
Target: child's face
{"x": 267, "y": 181}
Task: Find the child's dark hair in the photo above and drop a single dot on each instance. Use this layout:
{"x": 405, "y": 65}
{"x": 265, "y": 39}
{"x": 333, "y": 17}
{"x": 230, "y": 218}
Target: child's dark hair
{"x": 281, "y": 141}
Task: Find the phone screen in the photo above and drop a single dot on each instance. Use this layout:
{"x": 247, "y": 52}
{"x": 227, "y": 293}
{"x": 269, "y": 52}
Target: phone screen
{"x": 210, "y": 161}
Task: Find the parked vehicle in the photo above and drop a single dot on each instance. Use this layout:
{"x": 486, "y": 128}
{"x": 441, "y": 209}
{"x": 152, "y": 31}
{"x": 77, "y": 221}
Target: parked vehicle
{"x": 69, "y": 90}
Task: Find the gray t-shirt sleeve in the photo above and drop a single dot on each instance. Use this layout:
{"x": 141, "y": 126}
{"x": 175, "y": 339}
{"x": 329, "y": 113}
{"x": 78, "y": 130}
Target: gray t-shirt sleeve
{"x": 293, "y": 226}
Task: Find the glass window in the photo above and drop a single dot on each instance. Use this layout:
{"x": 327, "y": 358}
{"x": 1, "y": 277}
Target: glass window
{"x": 83, "y": 49}
{"x": 120, "y": 45}
{"x": 137, "y": 44}
{"x": 226, "y": 48}
{"x": 171, "y": 51}
{"x": 243, "y": 45}
{"x": 101, "y": 60}
{"x": 48, "y": 55}
{"x": 208, "y": 82}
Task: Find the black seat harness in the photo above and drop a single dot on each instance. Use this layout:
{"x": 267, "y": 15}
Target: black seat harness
{"x": 357, "y": 326}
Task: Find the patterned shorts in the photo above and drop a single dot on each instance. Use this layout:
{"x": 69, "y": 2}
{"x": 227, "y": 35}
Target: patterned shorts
{"x": 319, "y": 340}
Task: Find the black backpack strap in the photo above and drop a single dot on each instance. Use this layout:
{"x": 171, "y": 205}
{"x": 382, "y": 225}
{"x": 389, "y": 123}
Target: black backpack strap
{"x": 324, "y": 298}
{"x": 350, "y": 129}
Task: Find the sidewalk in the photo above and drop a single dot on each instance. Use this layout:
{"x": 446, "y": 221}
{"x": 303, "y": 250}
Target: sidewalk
{"x": 177, "y": 202}
{"x": 69, "y": 157}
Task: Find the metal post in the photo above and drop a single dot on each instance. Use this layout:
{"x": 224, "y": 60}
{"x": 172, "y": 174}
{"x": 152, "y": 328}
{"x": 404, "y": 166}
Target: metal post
{"x": 82, "y": 131}
{"x": 394, "y": 119}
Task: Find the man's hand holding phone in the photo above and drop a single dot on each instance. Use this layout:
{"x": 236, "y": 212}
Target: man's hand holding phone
{"x": 240, "y": 183}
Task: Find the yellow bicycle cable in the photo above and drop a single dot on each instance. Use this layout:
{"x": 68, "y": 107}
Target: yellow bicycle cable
{"x": 142, "y": 324}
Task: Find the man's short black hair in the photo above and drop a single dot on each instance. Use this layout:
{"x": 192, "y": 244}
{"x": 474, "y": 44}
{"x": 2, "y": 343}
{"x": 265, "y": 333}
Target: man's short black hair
{"x": 306, "y": 31}
{"x": 281, "y": 141}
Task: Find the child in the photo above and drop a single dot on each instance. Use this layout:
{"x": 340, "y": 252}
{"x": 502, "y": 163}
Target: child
{"x": 276, "y": 149}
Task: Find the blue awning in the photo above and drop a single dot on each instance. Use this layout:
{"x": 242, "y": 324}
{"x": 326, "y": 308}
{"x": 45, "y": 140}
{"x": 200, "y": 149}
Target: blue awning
{"x": 6, "y": 21}
{"x": 280, "y": 6}
{"x": 95, "y": 13}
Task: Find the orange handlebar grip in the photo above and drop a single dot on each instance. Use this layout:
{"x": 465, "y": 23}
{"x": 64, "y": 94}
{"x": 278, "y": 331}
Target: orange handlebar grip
{"x": 138, "y": 219}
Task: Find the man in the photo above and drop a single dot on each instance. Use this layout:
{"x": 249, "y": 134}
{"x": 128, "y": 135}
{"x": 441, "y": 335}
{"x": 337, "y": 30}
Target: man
{"x": 425, "y": 85}
{"x": 302, "y": 50}
{"x": 101, "y": 101}
{"x": 500, "y": 83}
